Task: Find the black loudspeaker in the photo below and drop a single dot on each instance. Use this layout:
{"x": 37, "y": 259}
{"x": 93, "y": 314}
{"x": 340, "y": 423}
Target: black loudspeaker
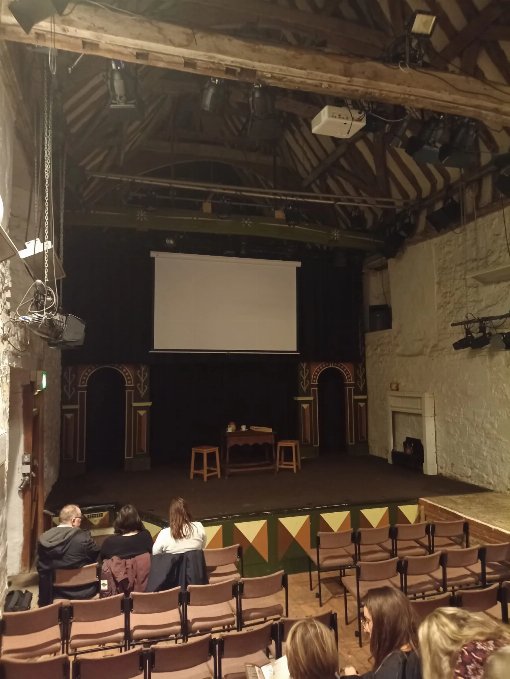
{"x": 379, "y": 317}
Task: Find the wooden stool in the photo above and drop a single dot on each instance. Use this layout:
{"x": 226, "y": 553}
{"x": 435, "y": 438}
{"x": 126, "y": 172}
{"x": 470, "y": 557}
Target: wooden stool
{"x": 295, "y": 462}
{"x": 205, "y": 470}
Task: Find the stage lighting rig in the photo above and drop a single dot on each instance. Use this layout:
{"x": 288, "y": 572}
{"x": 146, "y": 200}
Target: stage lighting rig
{"x": 484, "y": 334}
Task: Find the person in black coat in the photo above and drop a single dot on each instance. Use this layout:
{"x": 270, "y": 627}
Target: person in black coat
{"x": 65, "y": 546}
{"x": 391, "y": 624}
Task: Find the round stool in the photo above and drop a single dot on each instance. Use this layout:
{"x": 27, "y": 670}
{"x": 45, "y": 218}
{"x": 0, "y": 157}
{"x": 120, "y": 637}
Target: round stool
{"x": 205, "y": 470}
{"x": 295, "y": 461}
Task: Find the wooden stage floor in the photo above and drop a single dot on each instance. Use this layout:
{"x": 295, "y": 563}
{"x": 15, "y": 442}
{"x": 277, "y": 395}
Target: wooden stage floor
{"x": 324, "y": 481}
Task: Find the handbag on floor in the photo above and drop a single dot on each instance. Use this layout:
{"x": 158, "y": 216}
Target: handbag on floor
{"x": 17, "y": 600}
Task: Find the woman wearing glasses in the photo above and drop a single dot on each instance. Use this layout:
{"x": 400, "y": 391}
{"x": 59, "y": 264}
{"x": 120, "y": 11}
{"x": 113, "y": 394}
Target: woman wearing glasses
{"x": 389, "y": 621}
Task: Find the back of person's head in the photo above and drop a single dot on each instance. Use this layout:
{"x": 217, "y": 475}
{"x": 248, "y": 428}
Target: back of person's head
{"x": 180, "y": 518}
{"x": 393, "y": 622}
{"x": 443, "y": 633}
{"x": 311, "y": 651}
{"x": 68, "y": 513}
{"x": 127, "y": 521}
{"x": 498, "y": 664}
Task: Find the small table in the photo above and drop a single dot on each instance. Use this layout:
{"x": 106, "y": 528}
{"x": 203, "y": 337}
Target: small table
{"x": 248, "y": 438}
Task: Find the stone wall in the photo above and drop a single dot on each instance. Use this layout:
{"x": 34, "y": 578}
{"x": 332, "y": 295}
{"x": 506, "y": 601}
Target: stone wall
{"x": 431, "y": 285}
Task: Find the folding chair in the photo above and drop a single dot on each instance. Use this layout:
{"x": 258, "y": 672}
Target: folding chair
{"x": 194, "y": 659}
{"x": 423, "y": 575}
{"x": 98, "y": 623}
{"x": 373, "y": 544}
{"x": 334, "y": 552}
{"x": 462, "y": 568}
{"x": 155, "y": 616}
{"x": 449, "y": 534}
{"x": 223, "y": 563}
{"x": 69, "y": 578}
{"x": 410, "y": 539}
{"x": 259, "y": 598}
{"x": 423, "y": 607}
{"x": 28, "y": 634}
{"x": 487, "y": 600}
{"x": 209, "y": 607}
{"x": 369, "y": 574}
{"x": 129, "y": 665}
{"x": 328, "y": 619}
{"x": 495, "y": 560}
{"x": 238, "y": 649}
{"x": 44, "y": 668}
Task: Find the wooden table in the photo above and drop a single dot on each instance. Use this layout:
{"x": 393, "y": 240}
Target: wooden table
{"x": 248, "y": 438}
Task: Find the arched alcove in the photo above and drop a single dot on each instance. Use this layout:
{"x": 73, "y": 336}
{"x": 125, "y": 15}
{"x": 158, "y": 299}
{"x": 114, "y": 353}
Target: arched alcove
{"x": 105, "y": 419}
{"x": 332, "y": 418}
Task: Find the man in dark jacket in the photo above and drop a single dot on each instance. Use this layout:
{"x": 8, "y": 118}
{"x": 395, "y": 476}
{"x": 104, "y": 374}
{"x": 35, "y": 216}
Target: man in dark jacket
{"x": 65, "y": 546}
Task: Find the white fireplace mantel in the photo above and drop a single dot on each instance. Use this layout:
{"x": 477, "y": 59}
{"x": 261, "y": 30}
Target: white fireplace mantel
{"x": 416, "y": 404}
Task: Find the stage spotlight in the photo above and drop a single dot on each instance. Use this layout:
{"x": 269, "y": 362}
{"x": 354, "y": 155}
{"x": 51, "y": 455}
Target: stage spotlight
{"x": 123, "y": 90}
{"x": 261, "y": 102}
{"x": 422, "y": 23}
{"x": 424, "y": 147}
{"x": 502, "y": 182}
{"x": 461, "y": 151}
{"x": 465, "y": 342}
{"x": 446, "y": 216}
{"x": 483, "y": 339}
{"x": 28, "y": 13}
{"x": 213, "y": 96}
{"x": 397, "y": 135}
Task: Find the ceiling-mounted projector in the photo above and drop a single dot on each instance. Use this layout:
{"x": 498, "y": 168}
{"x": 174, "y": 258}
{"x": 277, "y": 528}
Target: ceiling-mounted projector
{"x": 339, "y": 121}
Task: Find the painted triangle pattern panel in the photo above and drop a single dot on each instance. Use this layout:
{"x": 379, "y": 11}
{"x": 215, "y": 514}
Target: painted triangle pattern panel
{"x": 335, "y": 521}
{"x": 374, "y": 517}
{"x": 252, "y": 535}
{"x": 214, "y": 536}
{"x": 293, "y": 531}
{"x": 408, "y": 514}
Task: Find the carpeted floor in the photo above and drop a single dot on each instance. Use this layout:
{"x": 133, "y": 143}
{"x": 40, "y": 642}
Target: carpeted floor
{"x": 329, "y": 480}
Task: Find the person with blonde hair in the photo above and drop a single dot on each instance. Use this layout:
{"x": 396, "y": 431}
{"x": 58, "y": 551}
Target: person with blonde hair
{"x": 455, "y": 644}
{"x": 390, "y": 621}
{"x": 498, "y": 664}
{"x": 311, "y": 651}
{"x": 183, "y": 534}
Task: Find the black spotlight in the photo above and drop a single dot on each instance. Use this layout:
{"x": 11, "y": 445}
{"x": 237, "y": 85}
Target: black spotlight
{"x": 261, "y": 102}
{"x": 461, "y": 150}
{"x": 505, "y": 338}
{"x": 502, "y": 182}
{"x": 28, "y": 13}
{"x": 424, "y": 147}
{"x": 465, "y": 342}
{"x": 482, "y": 340}
{"x": 446, "y": 216}
{"x": 213, "y": 96}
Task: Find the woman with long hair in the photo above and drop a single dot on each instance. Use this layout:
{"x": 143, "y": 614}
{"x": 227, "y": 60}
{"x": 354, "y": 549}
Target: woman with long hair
{"x": 183, "y": 534}
{"x": 130, "y": 537}
{"x": 456, "y": 644}
{"x": 390, "y": 622}
{"x": 311, "y": 651}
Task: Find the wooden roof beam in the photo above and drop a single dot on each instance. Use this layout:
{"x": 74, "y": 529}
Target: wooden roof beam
{"x": 97, "y": 30}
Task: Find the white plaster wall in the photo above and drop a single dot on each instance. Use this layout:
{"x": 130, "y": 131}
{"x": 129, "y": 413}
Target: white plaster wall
{"x": 431, "y": 286}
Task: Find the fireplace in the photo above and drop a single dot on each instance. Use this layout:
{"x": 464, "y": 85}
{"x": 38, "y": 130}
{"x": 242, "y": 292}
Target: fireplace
{"x": 421, "y": 406}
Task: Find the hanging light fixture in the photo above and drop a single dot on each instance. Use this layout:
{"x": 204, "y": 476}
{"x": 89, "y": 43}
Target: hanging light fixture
{"x": 213, "y": 96}
{"x": 29, "y": 12}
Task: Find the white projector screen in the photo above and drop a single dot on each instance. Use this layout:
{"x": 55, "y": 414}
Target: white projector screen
{"x": 224, "y": 304}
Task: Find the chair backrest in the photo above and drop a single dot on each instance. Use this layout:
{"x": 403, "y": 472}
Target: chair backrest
{"x": 56, "y": 667}
{"x": 75, "y": 577}
{"x": 372, "y": 536}
{"x": 238, "y": 644}
{"x": 216, "y": 593}
{"x": 328, "y": 619}
{"x": 498, "y": 552}
{"x": 450, "y": 529}
{"x": 177, "y": 657}
{"x": 334, "y": 540}
{"x": 97, "y": 609}
{"x": 262, "y": 586}
{"x": 423, "y": 607}
{"x": 421, "y": 565}
{"x": 377, "y": 570}
{"x": 28, "y": 622}
{"x": 410, "y": 531}
{"x": 223, "y": 556}
{"x": 126, "y": 665}
{"x": 478, "y": 600}
{"x": 459, "y": 558}
{"x": 155, "y": 602}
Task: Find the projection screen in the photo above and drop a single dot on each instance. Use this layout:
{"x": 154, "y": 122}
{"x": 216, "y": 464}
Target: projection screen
{"x": 224, "y": 304}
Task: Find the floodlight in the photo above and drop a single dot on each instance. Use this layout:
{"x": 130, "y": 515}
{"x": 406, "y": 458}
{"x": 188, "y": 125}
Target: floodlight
{"x": 28, "y": 13}
{"x": 483, "y": 339}
{"x": 465, "y": 342}
{"x": 422, "y": 23}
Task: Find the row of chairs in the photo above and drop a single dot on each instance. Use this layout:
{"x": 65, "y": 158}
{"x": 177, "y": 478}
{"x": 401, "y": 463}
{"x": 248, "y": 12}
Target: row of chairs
{"x": 118, "y": 621}
{"x": 417, "y": 576}
{"x": 202, "y": 657}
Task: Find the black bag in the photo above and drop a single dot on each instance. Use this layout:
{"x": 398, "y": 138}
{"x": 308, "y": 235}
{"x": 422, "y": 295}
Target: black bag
{"x": 17, "y": 600}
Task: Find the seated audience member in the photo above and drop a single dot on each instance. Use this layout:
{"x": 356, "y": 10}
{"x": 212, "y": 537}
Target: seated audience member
{"x": 65, "y": 546}
{"x": 311, "y": 651}
{"x": 455, "y": 644}
{"x": 498, "y": 664}
{"x": 390, "y": 622}
{"x": 183, "y": 534}
{"x": 126, "y": 555}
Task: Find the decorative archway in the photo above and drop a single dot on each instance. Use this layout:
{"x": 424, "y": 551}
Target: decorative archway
{"x": 347, "y": 373}
{"x": 74, "y": 411}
